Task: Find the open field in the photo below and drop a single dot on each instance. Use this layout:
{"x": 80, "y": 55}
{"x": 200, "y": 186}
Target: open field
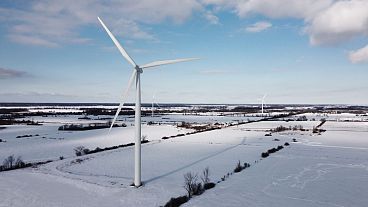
{"x": 329, "y": 169}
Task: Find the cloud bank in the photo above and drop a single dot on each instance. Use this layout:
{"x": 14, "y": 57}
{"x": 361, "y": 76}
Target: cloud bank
{"x": 9, "y": 73}
{"x": 52, "y": 23}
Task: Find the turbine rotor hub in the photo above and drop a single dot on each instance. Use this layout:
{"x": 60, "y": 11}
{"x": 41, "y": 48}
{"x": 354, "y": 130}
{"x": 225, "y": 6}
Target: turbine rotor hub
{"x": 139, "y": 70}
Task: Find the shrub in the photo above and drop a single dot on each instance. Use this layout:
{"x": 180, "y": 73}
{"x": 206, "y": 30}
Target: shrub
{"x": 286, "y": 144}
{"x": 61, "y": 157}
{"x": 265, "y": 154}
{"x": 144, "y": 138}
{"x": 273, "y": 150}
{"x": 86, "y": 151}
{"x": 209, "y": 186}
{"x": 238, "y": 167}
{"x": 198, "y": 189}
{"x": 1, "y": 140}
{"x": 298, "y": 127}
{"x": 318, "y": 130}
{"x": 205, "y": 176}
{"x": 280, "y": 147}
{"x": 294, "y": 140}
{"x": 280, "y": 129}
{"x": 268, "y": 134}
{"x": 144, "y": 141}
{"x": 97, "y": 149}
{"x": 175, "y": 202}
{"x": 79, "y": 151}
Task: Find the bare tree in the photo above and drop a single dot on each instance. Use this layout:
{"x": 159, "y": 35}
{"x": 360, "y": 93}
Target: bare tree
{"x": 190, "y": 183}
{"x": 205, "y": 176}
{"x": 9, "y": 162}
{"x": 19, "y": 162}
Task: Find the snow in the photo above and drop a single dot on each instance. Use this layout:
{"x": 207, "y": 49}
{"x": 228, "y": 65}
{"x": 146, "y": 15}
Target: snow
{"x": 51, "y": 143}
{"x": 319, "y": 170}
{"x": 326, "y": 170}
{"x": 299, "y": 176}
{"x": 334, "y": 117}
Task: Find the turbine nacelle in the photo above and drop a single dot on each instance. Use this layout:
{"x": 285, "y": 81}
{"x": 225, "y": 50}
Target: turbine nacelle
{"x": 138, "y": 69}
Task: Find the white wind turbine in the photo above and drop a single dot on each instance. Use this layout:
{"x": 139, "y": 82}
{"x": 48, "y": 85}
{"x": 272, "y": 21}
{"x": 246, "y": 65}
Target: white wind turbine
{"x": 136, "y": 77}
{"x": 263, "y": 101}
{"x": 153, "y": 105}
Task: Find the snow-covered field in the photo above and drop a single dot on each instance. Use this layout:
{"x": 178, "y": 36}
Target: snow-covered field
{"x": 46, "y": 142}
{"x": 330, "y": 169}
{"x": 51, "y": 143}
{"x": 326, "y": 170}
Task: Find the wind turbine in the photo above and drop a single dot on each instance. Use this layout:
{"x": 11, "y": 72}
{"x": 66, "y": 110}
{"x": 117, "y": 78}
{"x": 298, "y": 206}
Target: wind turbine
{"x": 263, "y": 100}
{"x": 136, "y": 74}
{"x": 153, "y": 104}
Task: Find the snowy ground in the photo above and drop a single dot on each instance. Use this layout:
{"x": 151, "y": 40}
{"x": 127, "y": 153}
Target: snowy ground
{"x": 51, "y": 143}
{"x": 162, "y": 118}
{"x": 47, "y": 142}
{"x": 335, "y": 117}
{"x": 326, "y": 170}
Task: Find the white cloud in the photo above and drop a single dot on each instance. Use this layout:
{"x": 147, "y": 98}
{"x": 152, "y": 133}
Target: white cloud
{"x": 31, "y": 40}
{"x": 282, "y": 8}
{"x": 212, "y": 19}
{"x": 52, "y": 23}
{"x": 258, "y": 27}
{"x": 128, "y": 28}
{"x": 327, "y": 22}
{"x": 274, "y": 9}
{"x": 359, "y": 56}
{"x": 341, "y": 22}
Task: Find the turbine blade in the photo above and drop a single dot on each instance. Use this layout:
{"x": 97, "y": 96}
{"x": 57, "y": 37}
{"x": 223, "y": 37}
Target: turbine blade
{"x": 165, "y": 62}
{"x": 125, "y": 94}
{"x": 116, "y": 42}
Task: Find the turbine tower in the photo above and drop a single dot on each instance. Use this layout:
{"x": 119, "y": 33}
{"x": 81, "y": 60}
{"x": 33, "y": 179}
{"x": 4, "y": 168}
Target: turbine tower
{"x": 153, "y": 99}
{"x": 136, "y": 74}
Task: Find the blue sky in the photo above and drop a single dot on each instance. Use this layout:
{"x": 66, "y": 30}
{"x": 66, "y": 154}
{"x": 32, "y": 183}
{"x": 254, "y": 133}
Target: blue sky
{"x": 53, "y": 51}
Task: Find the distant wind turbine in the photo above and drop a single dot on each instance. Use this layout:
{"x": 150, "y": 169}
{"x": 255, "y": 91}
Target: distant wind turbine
{"x": 263, "y": 101}
{"x": 136, "y": 77}
{"x": 153, "y": 104}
